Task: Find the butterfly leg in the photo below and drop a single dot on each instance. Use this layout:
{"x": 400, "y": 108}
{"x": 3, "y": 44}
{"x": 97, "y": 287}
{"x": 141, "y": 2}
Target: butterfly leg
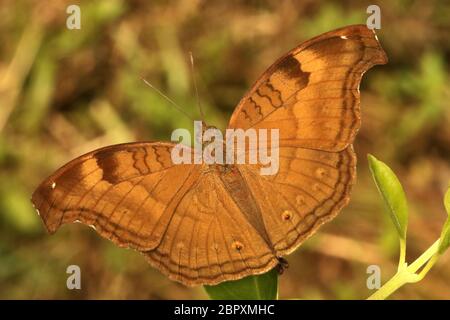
{"x": 282, "y": 265}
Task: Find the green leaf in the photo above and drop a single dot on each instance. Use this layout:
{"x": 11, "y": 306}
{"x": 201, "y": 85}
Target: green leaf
{"x": 260, "y": 287}
{"x": 392, "y": 192}
{"x": 16, "y": 210}
{"x": 447, "y": 201}
{"x": 445, "y": 234}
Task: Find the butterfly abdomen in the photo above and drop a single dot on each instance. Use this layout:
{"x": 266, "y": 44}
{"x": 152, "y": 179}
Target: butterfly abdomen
{"x": 237, "y": 187}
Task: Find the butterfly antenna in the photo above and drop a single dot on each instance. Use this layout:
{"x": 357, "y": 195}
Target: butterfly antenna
{"x": 202, "y": 115}
{"x": 173, "y": 103}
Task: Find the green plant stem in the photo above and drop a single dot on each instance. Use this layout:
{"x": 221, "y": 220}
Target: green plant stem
{"x": 409, "y": 274}
{"x": 402, "y": 258}
{"x": 428, "y": 266}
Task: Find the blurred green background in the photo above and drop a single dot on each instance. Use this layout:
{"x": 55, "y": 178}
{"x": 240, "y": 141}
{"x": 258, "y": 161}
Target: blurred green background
{"x": 65, "y": 92}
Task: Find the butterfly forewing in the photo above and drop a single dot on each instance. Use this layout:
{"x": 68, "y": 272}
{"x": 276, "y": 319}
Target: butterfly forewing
{"x": 126, "y": 192}
{"x": 312, "y": 93}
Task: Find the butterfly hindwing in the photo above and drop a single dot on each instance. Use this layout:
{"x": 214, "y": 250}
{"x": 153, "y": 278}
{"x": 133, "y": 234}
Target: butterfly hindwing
{"x": 310, "y": 188}
{"x": 209, "y": 240}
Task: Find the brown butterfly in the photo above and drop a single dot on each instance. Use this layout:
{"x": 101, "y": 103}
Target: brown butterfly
{"x": 204, "y": 224}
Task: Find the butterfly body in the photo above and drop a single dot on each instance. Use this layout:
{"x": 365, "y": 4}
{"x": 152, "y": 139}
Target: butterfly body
{"x": 204, "y": 223}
